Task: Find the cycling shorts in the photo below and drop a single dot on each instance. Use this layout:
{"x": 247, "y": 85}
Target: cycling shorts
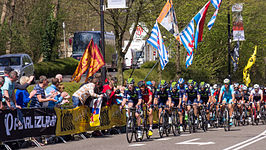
{"x": 176, "y": 105}
{"x": 190, "y": 102}
{"x": 162, "y": 102}
{"x": 228, "y": 100}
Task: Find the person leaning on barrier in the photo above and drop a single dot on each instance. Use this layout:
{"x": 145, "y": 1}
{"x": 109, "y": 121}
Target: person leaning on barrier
{"x": 22, "y": 96}
{"x": 53, "y": 89}
{"x": 110, "y": 90}
{"x": 39, "y": 97}
{"x": 83, "y": 93}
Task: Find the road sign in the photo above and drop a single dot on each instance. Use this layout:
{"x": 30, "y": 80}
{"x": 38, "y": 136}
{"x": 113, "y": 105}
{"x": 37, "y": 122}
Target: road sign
{"x": 192, "y": 142}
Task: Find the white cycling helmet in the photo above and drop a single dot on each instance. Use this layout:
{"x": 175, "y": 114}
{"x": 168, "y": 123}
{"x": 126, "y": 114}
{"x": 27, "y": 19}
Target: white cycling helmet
{"x": 245, "y": 88}
{"x": 236, "y": 85}
{"x": 256, "y": 86}
{"x": 215, "y": 86}
{"x": 226, "y": 81}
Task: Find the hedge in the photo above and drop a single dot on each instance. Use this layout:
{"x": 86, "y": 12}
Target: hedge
{"x": 65, "y": 66}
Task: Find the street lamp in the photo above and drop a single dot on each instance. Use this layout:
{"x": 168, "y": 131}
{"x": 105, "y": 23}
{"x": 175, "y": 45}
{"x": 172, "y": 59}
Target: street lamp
{"x": 64, "y": 33}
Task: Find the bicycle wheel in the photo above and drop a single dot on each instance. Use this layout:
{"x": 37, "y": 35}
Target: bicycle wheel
{"x": 175, "y": 124}
{"x": 161, "y": 125}
{"x": 130, "y": 129}
{"x": 225, "y": 119}
{"x": 167, "y": 125}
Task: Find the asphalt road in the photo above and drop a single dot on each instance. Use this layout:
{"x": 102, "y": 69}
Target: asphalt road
{"x": 246, "y": 138}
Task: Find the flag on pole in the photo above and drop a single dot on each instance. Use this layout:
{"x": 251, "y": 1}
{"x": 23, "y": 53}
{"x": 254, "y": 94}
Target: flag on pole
{"x": 157, "y": 42}
{"x": 92, "y": 60}
{"x": 167, "y": 19}
{"x": 200, "y": 19}
{"x": 251, "y": 61}
{"x": 187, "y": 38}
{"x": 216, "y": 4}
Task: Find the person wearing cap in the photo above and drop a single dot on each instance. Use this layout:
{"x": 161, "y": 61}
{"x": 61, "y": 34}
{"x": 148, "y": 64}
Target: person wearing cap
{"x": 59, "y": 77}
{"x": 228, "y": 95}
{"x": 39, "y": 97}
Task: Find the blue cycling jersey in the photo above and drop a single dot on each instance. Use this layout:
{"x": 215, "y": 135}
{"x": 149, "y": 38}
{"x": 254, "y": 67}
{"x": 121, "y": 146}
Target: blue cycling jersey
{"x": 227, "y": 94}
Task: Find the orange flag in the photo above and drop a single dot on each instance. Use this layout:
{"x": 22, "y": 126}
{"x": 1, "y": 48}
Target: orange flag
{"x": 92, "y": 60}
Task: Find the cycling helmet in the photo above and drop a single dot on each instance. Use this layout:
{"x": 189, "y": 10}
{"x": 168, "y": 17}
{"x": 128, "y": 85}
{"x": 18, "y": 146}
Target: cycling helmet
{"x": 163, "y": 84}
{"x": 181, "y": 81}
{"x": 256, "y": 86}
{"x": 190, "y": 82}
{"x": 236, "y": 85}
{"x": 130, "y": 81}
{"x": 245, "y": 88}
{"x": 215, "y": 86}
{"x": 226, "y": 81}
{"x": 141, "y": 83}
{"x": 149, "y": 83}
{"x": 207, "y": 85}
{"x": 174, "y": 85}
{"x": 202, "y": 85}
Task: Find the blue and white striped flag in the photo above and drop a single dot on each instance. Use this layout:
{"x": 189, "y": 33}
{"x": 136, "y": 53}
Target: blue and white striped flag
{"x": 216, "y": 4}
{"x": 157, "y": 42}
{"x": 187, "y": 38}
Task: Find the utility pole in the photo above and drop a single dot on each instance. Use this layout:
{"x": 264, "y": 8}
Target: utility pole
{"x": 103, "y": 70}
{"x": 64, "y": 33}
{"x": 229, "y": 41}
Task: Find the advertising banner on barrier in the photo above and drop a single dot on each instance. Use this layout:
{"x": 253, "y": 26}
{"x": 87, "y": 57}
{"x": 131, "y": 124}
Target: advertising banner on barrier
{"x": 36, "y": 122}
{"x": 71, "y": 121}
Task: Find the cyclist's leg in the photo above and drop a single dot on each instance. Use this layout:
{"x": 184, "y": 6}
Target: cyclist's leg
{"x": 195, "y": 107}
{"x": 129, "y": 105}
{"x": 231, "y": 109}
{"x": 160, "y": 103}
{"x": 150, "y": 117}
{"x": 180, "y": 114}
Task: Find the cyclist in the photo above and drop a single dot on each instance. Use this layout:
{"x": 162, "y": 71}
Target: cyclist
{"x": 147, "y": 99}
{"x": 162, "y": 96}
{"x": 256, "y": 97}
{"x": 192, "y": 97}
{"x": 205, "y": 98}
{"x": 246, "y": 98}
{"x": 177, "y": 101}
{"x": 215, "y": 99}
{"x": 227, "y": 93}
{"x": 238, "y": 99}
{"x": 132, "y": 97}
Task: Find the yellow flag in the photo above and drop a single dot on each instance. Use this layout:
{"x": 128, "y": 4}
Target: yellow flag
{"x": 251, "y": 61}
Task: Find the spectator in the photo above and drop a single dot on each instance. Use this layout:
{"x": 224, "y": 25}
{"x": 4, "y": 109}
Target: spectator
{"x": 7, "y": 70}
{"x": 2, "y": 81}
{"x": 24, "y": 86}
{"x": 110, "y": 90}
{"x": 83, "y": 93}
{"x": 22, "y": 96}
{"x": 53, "y": 89}
{"x": 8, "y": 92}
{"x": 39, "y": 97}
{"x": 59, "y": 77}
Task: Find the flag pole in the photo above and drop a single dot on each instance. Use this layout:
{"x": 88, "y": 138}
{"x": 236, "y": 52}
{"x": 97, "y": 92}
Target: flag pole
{"x": 229, "y": 40}
{"x": 103, "y": 70}
{"x": 152, "y": 69}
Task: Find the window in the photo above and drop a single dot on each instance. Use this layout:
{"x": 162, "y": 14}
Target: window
{"x": 10, "y": 61}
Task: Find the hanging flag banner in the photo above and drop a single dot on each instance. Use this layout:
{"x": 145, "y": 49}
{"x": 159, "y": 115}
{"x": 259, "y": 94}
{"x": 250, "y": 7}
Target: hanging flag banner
{"x": 167, "y": 19}
{"x": 115, "y": 4}
{"x": 251, "y": 61}
{"x": 157, "y": 42}
{"x": 238, "y": 27}
{"x": 235, "y": 56}
{"x": 200, "y": 19}
{"x": 187, "y": 38}
{"x": 216, "y": 4}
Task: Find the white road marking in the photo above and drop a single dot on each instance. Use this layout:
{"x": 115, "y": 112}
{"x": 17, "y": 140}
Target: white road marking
{"x": 191, "y": 142}
{"x": 163, "y": 139}
{"x": 136, "y": 145}
{"x": 185, "y": 134}
{"x": 248, "y": 142}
